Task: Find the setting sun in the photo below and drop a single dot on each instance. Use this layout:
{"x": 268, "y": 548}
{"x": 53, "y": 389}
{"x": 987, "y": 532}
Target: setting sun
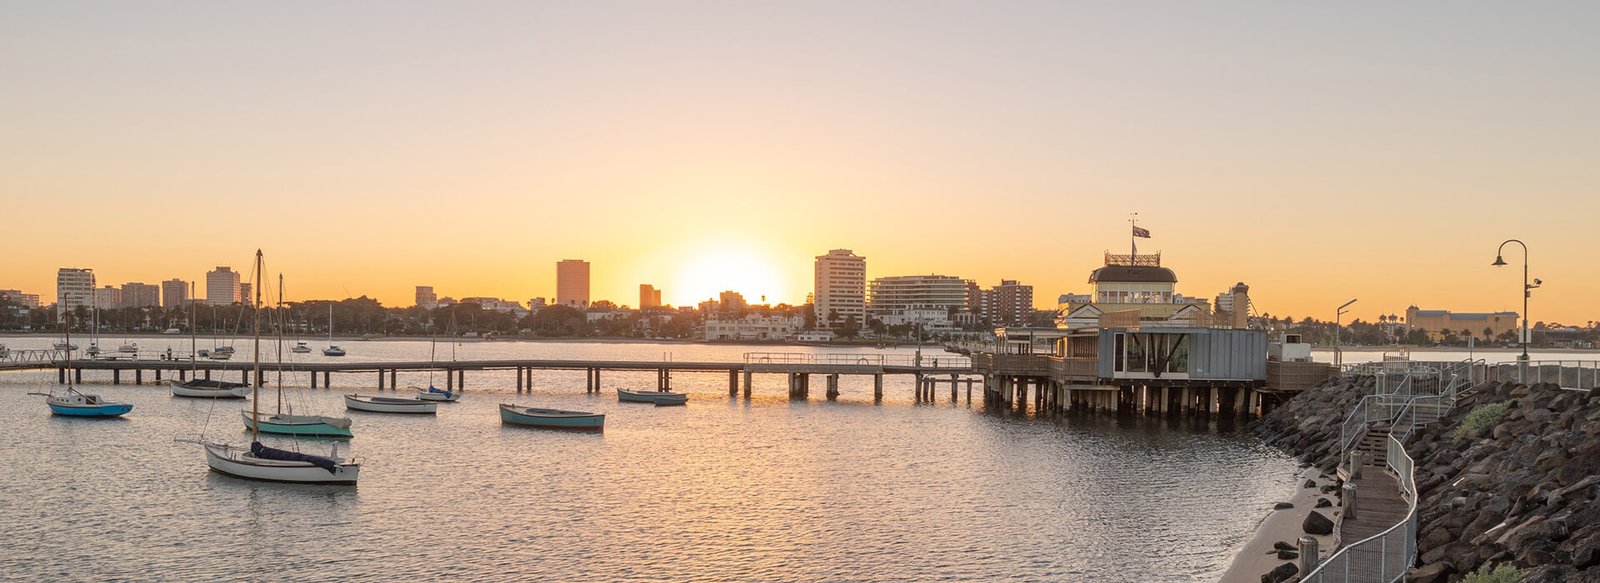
{"x": 741, "y": 269}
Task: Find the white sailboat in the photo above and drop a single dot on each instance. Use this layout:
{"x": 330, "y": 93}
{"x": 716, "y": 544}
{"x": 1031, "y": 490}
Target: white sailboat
{"x": 284, "y": 421}
{"x": 259, "y": 462}
{"x": 433, "y": 393}
{"x": 332, "y": 349}
{"x": 199, "y": 388}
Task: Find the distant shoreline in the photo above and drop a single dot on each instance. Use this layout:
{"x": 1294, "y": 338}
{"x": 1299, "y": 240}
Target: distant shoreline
{"x": 571, "y": 339}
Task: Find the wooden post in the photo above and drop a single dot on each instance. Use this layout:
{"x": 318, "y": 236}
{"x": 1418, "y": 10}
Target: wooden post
{"x": 380, "y": 379}
{"x": 116, "y": 376}
{"x": 462, "y": 382}
{"x": 313, "y": 379}
{"x": 392, "y": 379}
{"x": 77, "y": 375}
{"x": 877, "y": 387}
{"x": 747, "y": 385}
{"x": 61, "y": 375}
{"x": 327, "y": 379}
{"x": 733, "y": 383}
{"x": 449, "y": 380}
{"x": 138, "y": 376}
{"x": 158, "y": 376}
{"x": 519, "y": 380}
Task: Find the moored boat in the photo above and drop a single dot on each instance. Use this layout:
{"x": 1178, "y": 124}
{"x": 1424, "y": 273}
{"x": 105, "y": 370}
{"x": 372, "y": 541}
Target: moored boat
{"x": 552, "y": 418}
{"x": 433, "y": 393}
{"x": 209, "y": 389}
{"x": 656, "y": 397}
{"x": 300, "y": 348}
{"x": 374, "y": 404}
{"x": 302, "y": 425}
{"x": 76, "y": 404}
{"x": 259, "y": 462}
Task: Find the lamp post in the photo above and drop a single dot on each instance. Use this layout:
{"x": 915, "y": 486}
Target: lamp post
{"x": 1527, "y": 291}
{"x": 1338, "y": 318}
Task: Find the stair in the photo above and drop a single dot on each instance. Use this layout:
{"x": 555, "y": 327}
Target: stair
{"x": 1374, "y": 446}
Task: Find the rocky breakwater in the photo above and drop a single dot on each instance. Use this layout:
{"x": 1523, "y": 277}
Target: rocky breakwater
{"x": 1511, "y": 475}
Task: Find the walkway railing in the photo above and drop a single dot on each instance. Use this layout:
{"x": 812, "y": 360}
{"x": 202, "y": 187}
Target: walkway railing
{"x": 1569, "y": 374}
{"x": 940, "y": 360}
{"x": 31, "y": 356}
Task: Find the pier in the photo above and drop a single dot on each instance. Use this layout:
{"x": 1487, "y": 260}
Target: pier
{"x": 928, "y": 372}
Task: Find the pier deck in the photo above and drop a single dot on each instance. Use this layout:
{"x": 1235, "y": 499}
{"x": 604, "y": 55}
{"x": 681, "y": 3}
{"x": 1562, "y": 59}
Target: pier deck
{"x": 1379, "y": 506}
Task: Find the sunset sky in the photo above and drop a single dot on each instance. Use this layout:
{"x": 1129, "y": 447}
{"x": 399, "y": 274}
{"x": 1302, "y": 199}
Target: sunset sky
{"x": 1317, "y": 151}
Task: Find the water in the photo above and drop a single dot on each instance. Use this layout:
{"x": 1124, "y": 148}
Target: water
{"x": 722, "y": 489}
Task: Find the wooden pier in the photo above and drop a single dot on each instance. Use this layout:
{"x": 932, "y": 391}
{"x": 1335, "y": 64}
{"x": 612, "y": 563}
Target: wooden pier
{"x": 798, "y": 367}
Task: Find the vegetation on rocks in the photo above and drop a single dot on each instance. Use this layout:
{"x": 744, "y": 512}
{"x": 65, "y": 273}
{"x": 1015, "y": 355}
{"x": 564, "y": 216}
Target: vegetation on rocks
{"x": 1491, "y": 573}
{"x": 1485, "y": 416}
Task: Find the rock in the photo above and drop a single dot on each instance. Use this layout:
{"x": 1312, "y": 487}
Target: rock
{"x": 1282, "y": 546}
{"x": 1283, "y": 506}
{"x": 1282, "y": 573}
{"x": 1324, "y": 503}
{"x": 1316, "y": 523}
{"x": 1432, "y": 573}
{"x": 1329, "y": 489}
{"x": 1311, "y": 483}
{"x": 1288, "y": 555}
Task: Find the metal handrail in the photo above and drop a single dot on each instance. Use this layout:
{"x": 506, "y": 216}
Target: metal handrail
{"x": 1395, "y": 548}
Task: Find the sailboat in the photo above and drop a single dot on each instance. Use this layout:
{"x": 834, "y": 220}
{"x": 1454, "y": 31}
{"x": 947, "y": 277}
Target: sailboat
{"x": 199, "y": 388}
{"x": 94, "y": 335}
{"x": 259, "y": 462}
{"x": 332, "y": 349}
{"x": 77, "y": 404}
{"x": 433, "y": 393}
{"x": 286, "y": 422}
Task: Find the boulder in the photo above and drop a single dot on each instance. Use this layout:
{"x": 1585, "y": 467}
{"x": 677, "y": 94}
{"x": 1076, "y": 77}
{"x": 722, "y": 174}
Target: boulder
{"x": 1280, "y": 574}
{"x": 1439, "y": 572}
{"x": 1283, "y": 506}
{"x": 1288, "y": 555}
{"x": 1282, "y": 546}
{"x": 1316, "y": 523}
{"x": 1324, "y": 503}
{"x": 1311, "y": 483}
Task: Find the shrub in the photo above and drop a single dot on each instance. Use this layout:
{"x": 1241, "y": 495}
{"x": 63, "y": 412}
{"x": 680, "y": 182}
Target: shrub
{"x": 1505, "y": 573}
{"x": 1483, "y": 416}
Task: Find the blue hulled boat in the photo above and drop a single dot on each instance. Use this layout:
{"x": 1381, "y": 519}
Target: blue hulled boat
{"x": 76, "y": 404}
{"x": 552, "y": 418}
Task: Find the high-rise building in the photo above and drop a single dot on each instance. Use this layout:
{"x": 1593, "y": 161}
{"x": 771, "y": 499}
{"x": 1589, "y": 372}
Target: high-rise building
{"x": 107, "y": 297}
{"x": 426, "y": 298}
{"x": 1008, "y": 304}
{"x": 732, "y": 302}
{"x": 74, "y": 289}
{"x": 244, "y": 294}
{"x": 572, "y": 283}
{"x": 174, "y": 293}
{"x": 222, "y": 286}
{"x": 140, "y": 295}
{"x": 649, "y": 296}
{"x": 841, "y": 288}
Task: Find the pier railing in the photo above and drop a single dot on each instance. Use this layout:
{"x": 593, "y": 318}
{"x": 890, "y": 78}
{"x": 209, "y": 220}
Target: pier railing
{"x": 19, "y": 357}
{"x": 940, "y": 360}
{"x": 1569, "y": 374}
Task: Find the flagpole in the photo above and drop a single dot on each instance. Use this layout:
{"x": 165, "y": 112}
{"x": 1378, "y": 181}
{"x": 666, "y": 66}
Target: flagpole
{"x": 1133, "y": 241}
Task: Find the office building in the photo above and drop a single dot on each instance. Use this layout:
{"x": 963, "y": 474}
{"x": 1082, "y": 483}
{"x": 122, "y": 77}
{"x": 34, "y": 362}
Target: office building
{"x": 108, "y": 297}
{"x": 17, "y": 298}
{"x": 649, "y": 296}
{"x": 140, "y": 295}
{"x": 840, "y": 288}
{"x": 174, "y": 293}
{"x": 245, "y": 296}
{"x": 222, "y": 286}
{"x": 426, "y": 298}
{"x": 74, "y": 289}
{"x": 572, "y": 283}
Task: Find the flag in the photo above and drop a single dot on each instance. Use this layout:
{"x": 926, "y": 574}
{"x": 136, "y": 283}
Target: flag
{"x": 1138, "y": 232}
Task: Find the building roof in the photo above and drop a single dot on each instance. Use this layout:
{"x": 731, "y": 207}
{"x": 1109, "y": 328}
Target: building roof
{"x": 1132, "y": 273}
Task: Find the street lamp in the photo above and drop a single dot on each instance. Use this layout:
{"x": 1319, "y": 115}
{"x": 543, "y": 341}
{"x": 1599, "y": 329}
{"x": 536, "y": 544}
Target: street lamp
{"x": 1338, "y": 316}
{"x": 1527, "y": 290}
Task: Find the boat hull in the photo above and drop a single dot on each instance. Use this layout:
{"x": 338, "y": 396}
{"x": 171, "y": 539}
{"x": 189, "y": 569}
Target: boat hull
{"x": 661, "y": 398}
{"x": 240, "y": 464}
{"x": 302, "y": 426}
{"x": 552, "y": 419}
{"x": 185, "y": 389}
{"x": 390, "y": 405}
{"x": 103, "y": 410}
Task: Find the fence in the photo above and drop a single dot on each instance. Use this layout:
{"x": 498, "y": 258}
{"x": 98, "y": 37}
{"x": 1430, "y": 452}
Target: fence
{"x": 939, "y": 360}
{"x": 1582, "y": 375}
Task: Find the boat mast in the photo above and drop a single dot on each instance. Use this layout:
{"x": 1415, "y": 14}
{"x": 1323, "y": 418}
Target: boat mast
{"x": 280, "y": 343}
{"x": 192, "y": 360}
{"x": 68, "y": 314}
{"x": 255, "y": 385}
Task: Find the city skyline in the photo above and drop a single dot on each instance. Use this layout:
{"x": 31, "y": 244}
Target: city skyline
{"x": 1319, "y": 171}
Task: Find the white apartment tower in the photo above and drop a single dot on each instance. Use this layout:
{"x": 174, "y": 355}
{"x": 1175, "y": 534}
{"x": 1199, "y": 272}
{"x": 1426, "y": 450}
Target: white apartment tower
{"x": 222, "y": 286}
{"x": 841, "y": 288}
{"x": 74, "y": 289}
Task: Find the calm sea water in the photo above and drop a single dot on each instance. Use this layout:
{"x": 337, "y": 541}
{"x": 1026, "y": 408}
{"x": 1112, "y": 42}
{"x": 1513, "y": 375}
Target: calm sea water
{"x": 729, "y": 490}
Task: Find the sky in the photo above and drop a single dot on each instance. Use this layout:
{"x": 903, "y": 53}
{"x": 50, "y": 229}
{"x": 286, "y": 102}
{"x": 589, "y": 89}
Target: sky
{"x": 1317, "y": 151}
